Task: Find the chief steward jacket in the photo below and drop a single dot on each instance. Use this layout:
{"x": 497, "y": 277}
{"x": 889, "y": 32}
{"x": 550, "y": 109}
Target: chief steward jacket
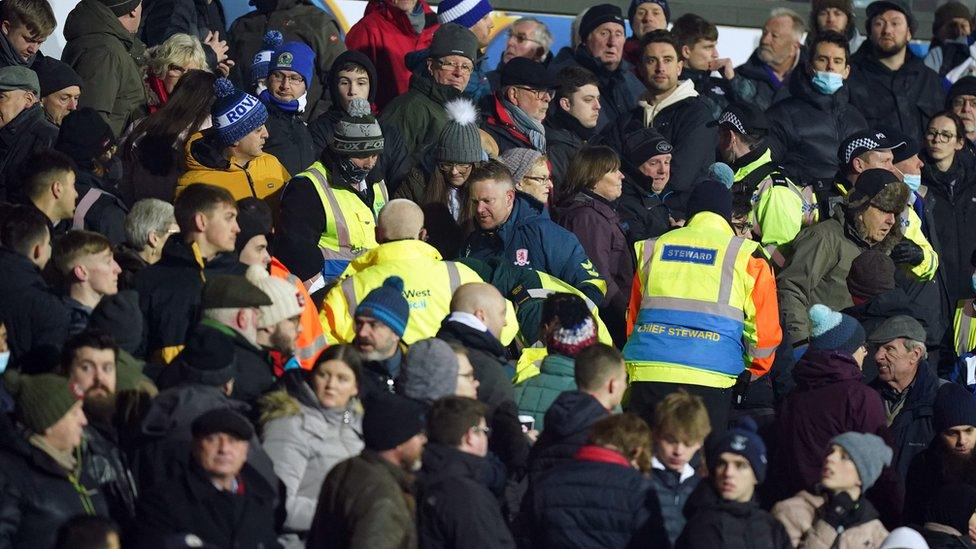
{"x": 703, "y": 307}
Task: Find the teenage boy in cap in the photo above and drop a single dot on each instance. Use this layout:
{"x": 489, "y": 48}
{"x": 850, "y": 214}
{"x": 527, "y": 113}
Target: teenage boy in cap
{"x": 673, "y": 108}
{"x": 386, "y": 34}
{"x": 328, "y": 212}
{"x": 950, "y": 458}
{"x": 475, "y": 16}
{"x": 807, "y": 127}
{"x": 770, "y": 67}
{"x": 169, "y": 291}
{"x": 648, "y": 205}
{"x": 24, "y": 25}
{"x": 44, "y": 482}
{"x": 367, "y": 501}
{"x": 602, "y": 32}
{"x": 705, "y": 352}
{"x": 644, "y": 16}
{"x": 780, "y": 207}
{"x": 726, "y": 511}
{"x": 380, "y": 320}
{"x": 102, "y": 48}
{"x": 838, "y": 514}
{"x": 23, "y": 128}
{"x": 231, "y": 153}
{"x": 907, "y": 385}
{"x": 60, "y": 88}
{"x": 419, "y": 113}
{"x": 513, "y": 116}
{"x": 823, "y": 253}
{"x": 220, "y": 498}
{"x": 290, "y": 73}
{"x": 889, "y": 83}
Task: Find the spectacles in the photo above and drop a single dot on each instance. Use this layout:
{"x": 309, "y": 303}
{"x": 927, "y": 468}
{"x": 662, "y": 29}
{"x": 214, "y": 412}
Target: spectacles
{"x": 521, "y": 38}
{"x": 451, "y": 66}
{"x": 539, "y": 94}
{"x": 961, "y": 102}
{"x": 290, "y": 78}
{"x": 742, "y": 227}
{"x": 451, "y": 166}
{"x": 939, "y": 137}
{"x": 486, "y": 430}
{"x": 538, "y": 178}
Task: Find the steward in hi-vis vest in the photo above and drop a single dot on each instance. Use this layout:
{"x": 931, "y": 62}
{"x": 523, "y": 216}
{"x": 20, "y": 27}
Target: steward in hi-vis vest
{"x": 328, "y": 212}
{"x": 703, "y": 310}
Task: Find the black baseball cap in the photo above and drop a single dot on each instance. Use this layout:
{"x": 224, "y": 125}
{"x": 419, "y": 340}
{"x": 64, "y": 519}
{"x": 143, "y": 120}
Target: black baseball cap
{"x": 863, "y": 141}
{"x": 743, "y": 118}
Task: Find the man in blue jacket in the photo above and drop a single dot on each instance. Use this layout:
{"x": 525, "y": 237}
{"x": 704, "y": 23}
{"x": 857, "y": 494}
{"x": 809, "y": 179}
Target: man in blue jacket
{"x": 517, "y": 228}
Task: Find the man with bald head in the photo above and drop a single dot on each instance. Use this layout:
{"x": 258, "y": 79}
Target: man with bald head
{"x": 476, "y": 320}
{"x": 428, "y": 282}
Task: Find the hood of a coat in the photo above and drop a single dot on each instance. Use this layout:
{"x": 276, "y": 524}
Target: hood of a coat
{"x": 202, "y": 153}
{"x": 573, "y": 412}
{"x": 176, "y": 407}
{"x": 351, "y": 56}
{"x": 93, "y": 17}
{"x": 819, "y": 367}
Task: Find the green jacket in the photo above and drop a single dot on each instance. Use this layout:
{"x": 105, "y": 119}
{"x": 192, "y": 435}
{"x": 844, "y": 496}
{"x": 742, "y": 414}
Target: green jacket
{"x": 419, "y": 114}
{"x": 817, "y": 271}
{"x": 107, "y": 57}
{"x": 535, "y": 395}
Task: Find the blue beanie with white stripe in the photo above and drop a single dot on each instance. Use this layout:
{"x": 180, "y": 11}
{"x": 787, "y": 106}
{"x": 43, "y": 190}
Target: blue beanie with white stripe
{"x": 235, "y": 113}
{"x": 463, "y": 12}
{"x": 262, "y": 59}
{"x": 831, "y": 330}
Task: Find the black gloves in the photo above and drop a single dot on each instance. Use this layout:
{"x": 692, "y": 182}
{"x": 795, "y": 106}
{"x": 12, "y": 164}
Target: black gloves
{"x": 840, "y": 510}
{"x": 908, "y": 252}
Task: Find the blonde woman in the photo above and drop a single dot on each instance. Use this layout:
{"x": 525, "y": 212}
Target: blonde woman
{"x": 168, "y": 62}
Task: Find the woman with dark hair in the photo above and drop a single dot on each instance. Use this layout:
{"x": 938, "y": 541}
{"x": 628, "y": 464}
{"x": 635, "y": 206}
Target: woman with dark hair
{"x": 949, "y": 190}
{"x": 443, "y": 194}
{"x": 594, "y": 183}
{"x": 152, "y": 153}
{"x": 308, "y": 426}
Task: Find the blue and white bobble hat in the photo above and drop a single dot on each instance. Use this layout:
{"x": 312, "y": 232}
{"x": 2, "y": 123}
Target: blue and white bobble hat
{"x": 262, "y": 59}
{"x": 831, "y": 330}
{"x": 463, "y": 12}
{"x": 235, "y": 113}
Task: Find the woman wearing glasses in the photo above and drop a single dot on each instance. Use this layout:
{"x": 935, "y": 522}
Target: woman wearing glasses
{"x": 950, "y": 177}
{"x": 530, "y": 172}
{"x": 442, "y": 192}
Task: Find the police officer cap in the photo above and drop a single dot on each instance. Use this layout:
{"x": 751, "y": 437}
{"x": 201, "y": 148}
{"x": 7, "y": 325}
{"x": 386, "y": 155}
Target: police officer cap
{"x": 744, "y": 119}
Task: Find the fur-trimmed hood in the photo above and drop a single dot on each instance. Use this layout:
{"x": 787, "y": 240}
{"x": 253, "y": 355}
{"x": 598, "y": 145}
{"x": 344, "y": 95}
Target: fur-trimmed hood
{"x": 855, "y": 230}
{"x": 294, "y": 397}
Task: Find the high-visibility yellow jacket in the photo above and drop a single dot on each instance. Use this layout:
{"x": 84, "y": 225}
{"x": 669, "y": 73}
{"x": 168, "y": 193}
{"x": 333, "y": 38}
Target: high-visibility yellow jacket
{"x": 703, "y": 307}
{"x": 428, "y": 284}
{"x": 964, "y": 327}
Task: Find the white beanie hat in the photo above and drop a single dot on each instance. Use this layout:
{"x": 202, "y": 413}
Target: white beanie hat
{"x": 286, "y": 301}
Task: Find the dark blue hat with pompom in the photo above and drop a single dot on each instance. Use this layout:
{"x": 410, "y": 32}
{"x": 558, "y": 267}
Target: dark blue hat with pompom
{"x": 262, "y": 59}
{"x": 387, "y": 305}
{"x": 235, "y": 113}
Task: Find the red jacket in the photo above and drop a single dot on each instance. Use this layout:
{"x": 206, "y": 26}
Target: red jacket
{"x": 385, "y": 35}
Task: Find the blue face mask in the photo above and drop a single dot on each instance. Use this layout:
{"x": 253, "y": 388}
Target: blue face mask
{"x": 913, "y": 180}
{"x": 827, "y": 82}
{"x": 4, "y": 359}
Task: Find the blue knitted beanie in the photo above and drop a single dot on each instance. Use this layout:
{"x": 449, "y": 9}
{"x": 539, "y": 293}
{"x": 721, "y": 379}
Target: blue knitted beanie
{"x": 235, "y": 113}
{"x": 742, "y": 439}
{"x": 294, "y": 56}
{"x": 262, "y": 59}
{"x": 387, "y": 305}
{"x": 831, "y": 330}
{"x": 463, "y": 12}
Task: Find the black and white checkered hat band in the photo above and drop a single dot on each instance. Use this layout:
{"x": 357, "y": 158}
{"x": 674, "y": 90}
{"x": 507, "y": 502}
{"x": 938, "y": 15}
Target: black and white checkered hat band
{"x": 730, "y": 118}
{"x": 865, "y": 143}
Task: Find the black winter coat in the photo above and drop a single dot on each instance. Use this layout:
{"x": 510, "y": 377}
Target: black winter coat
{"x": 37, "y": 496}
{"x": 289, "y": 139}
{"x": 596, "y": 500}
{"x": 685, "y": 125}
{"x": 494, "y": 389}
{"x": 27, "y": 133}
{"x": 454, "y": 509}
{"x": 36, "y": 318}
{"x": 109, "y": 468}
{"x": 912, "y": 428}
{"x": 715, "y": 522}
{"x": 565, "y": 136}
{"x": 756, "y": 86}
{"x": 952, "y": 196}
{"x": 393, "y": 164}
{"x": 169, "y": 293}
{"x": 905, "y": 98}
{"x": 619, "y": 89}
{"x": 644, "y": 214}
{"x": 107, "y": 215}
{"x": 190, "y": 504}
{"x": 716, "y": 92}
{"x": 808, "y": 127}
{"x": 568, "y": 423}
{"x": 672, "y": 494}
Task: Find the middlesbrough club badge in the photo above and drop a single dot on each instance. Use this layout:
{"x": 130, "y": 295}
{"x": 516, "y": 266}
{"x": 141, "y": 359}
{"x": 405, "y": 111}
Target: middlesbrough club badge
{"x": 521, "y": 257}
